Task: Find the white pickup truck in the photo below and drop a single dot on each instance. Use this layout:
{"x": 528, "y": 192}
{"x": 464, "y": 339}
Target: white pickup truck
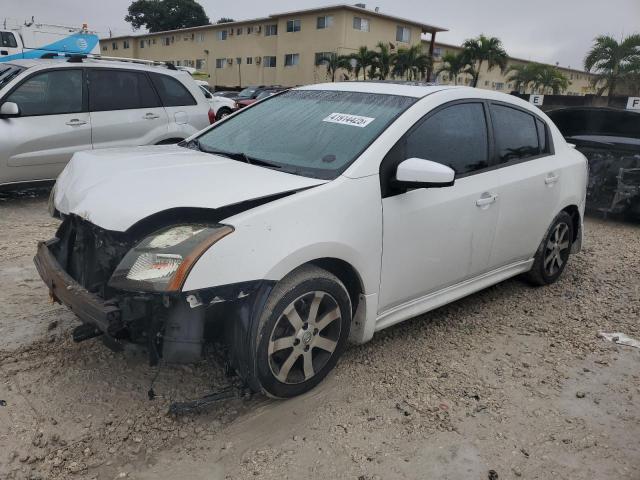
{"x": 33, "y": 40}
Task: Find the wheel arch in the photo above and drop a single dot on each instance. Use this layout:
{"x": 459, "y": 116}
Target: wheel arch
{"x": 346, "y": 273}
{"x": 574, "y": 212}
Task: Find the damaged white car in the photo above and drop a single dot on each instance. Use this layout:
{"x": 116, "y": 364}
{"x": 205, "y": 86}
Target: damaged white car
{"x": 315, "y": 217}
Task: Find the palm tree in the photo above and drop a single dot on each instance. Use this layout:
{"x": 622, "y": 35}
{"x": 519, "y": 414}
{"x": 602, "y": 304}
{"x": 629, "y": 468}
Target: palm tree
{"x": 335, "y": 62}
{"x": 481, "y": 49}
{"x": 524, "y": 75}
{"x": 364, "y": 59}
{"x": 454, "y": 64}
{"x": 550, "y": 78}
{"x": 411, "y": 63}
{"x": 383, "y": 60}
{"x": 610, "y": 60}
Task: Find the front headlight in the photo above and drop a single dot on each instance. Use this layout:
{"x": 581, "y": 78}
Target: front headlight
{"x": 162, "y": 261}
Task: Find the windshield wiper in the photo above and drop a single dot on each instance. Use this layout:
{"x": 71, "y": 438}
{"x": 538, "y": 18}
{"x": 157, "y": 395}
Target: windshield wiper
{"x": 241, "y": 156}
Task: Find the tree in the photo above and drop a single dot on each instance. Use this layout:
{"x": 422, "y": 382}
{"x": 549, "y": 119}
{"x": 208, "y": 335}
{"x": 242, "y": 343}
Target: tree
{"x": 411, "y": 63}
{"x": 162, "y": 15}
{"x": 610, "y": 61}
{"x": 335, "y": 62}
{"x": 225, "y": 20}
{"x": 364, "y": 58}
{"x": 551, "y": 78}
{"x": 484, "y": 49}
{"x": 383, "y": 61}
{"x": 454, "y": 65}
{"x": 524, "y": 76}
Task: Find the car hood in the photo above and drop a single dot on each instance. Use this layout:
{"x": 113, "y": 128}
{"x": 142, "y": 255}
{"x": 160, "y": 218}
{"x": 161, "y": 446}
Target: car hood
{"x": 116, "y": 188}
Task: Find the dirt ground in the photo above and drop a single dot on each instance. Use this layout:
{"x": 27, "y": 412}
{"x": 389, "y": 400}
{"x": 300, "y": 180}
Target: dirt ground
{"x": 513, "y": 380}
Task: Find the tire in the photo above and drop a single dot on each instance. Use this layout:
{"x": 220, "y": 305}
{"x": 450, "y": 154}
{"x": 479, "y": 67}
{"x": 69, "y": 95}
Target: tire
{"x": 553, "y": 253}
{"x": 223, "y": 112}
{"x": 294, "y": 349}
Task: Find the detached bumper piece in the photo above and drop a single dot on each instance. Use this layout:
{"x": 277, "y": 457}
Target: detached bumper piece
{"x": 91, "y": 309}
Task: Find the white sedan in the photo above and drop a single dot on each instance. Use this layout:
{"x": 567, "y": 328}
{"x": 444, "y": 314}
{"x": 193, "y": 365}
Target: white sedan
{"x": 221, "y": 106}
{"x": 313, "y": 218}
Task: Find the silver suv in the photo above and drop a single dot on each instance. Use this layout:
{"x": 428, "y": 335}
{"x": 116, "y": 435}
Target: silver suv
{"x": 52, "y": 108}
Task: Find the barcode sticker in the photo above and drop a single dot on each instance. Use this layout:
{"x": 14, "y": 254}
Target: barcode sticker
{"x": 347, "y": 119}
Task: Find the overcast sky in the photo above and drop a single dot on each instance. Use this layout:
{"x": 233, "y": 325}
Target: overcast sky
{"x": 543, "y": 30}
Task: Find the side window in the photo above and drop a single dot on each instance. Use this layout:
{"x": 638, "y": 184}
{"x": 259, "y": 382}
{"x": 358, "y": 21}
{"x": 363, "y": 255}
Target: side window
{"x": 120, "y": 90}
{"x": 8, "y": 40}
{"x": 455, "y": 136}
{"x": 172, "y": 92}
{"x": 50, "y": 93}
{"x": 515, "y": 132}
{"x": 542, "y": 136}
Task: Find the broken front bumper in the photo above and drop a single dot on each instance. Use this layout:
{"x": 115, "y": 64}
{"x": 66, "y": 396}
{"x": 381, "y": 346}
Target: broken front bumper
{"x": 89, "y": 308}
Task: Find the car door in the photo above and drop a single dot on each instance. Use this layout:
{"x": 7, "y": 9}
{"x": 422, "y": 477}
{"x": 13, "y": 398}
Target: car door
{"x": 52, "y": 124}
{"x": 186, "y": 115}
{"x": 125, "y": 109}
{"x": 436, "y": 237}
{"x": 530, "y": 182}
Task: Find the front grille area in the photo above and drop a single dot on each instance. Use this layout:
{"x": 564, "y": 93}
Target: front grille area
{"x": 90, "y": 254}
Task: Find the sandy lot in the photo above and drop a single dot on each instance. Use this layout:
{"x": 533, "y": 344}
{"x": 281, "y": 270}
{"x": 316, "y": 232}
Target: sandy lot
{"x": 512, "y": 380}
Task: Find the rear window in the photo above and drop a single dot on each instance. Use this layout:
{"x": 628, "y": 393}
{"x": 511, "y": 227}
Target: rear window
{"x": 120, "y": 90}
{"x": 8, "y": 40}
{"x": 515, "y": 132}
{"x": 172, "y": 92}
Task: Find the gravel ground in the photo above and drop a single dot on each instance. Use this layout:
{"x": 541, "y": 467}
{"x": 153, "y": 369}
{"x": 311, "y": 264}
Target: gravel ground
{"x": 512, "y": 380}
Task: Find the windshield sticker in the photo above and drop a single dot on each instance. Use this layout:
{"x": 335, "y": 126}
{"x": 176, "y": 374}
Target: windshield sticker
{"x": 346, "y": 119}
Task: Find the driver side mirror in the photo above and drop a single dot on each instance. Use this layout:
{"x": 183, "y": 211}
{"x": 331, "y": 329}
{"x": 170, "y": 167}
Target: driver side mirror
{"x": 420, "y": 173}
{"x": 9, "y": 109}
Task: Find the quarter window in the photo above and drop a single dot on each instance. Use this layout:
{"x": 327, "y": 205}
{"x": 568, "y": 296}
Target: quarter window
{"x": 120, "y": 90}
{"x": 8, "y": 40}
{"x": 51, "y": 93}
{"x": 172, "y": 92}
{"x": 455, "y": 136}
{"x": 293, "y": 25}
{"x": 515, "y": 132}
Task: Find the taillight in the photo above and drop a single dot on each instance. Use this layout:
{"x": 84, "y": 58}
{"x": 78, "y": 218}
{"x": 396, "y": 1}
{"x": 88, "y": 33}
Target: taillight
{"x": 212, "y": 116}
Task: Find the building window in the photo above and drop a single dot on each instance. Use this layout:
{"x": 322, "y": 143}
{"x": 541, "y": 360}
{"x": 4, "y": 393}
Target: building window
{"x": 125, "y": 44}
{"x": 114, "y": 45}
{"x": 293, "y": 25}
{"x": 270, "y": 30}
{"x": 437, "y": 52}
{"x": 222, "y": 35}
{"x": 361, "y": 24}
{"x": 166, "y": 41}
{"x": 500, "y": 86}
{"x": 141, "y": 43}
{"x": 154, "y": 41}
{"x": 220, "y": 62}
{"x": 291, "y": 59}
{"x": 200, "y": 37}
{"x": 239, "y": 60}
{"x": 320, "y": 56}
{"x": 325, "y": 21}
{"x": 403, "y": 34}
{"x": 249, "y": 30}
{"x": 105, "y": 48}
{"x": 269, "y": 62}
{"x": 200, "y": 63}
{"x": 239, "y": 31}
{"x": 249, "y": 60}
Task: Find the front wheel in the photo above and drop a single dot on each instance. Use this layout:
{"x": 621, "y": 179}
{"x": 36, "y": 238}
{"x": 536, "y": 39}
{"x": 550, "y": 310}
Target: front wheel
{"x": 223, "y": 112}
{"x": 553, "y": 253}
{"x": 303, "y": 331}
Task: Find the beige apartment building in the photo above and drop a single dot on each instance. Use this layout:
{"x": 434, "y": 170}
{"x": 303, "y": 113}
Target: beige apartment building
{"x": 281, "y": 49}
{"x": 285, "y": 48}
{"x": 579, "y": 81}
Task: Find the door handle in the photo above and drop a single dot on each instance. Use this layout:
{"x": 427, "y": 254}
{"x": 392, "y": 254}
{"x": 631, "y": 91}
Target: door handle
{"x": 551, "y": 179}
{"x": 486, "y": 199}
{"x": 4, "y": 52}
{"x": 76, "y": 122}
{"x": 151, "y": 116}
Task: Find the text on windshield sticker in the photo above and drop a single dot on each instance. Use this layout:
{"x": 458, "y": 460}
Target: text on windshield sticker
{"x": 346, "y": 119}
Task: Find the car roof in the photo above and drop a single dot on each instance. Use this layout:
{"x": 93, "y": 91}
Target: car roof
{"x": 44, "y": 63}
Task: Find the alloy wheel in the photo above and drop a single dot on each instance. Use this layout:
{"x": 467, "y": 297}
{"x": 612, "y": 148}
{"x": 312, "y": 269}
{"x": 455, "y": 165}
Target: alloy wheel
{"x": 557, "y": 249}
{"x": 305, "y": 337}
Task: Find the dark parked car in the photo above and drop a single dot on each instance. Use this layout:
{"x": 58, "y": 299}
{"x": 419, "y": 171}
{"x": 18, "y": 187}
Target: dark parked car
{"x": 263, "y": 94}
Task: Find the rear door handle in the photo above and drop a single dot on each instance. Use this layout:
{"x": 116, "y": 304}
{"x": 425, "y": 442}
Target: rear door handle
{"x": 551, "y": 179}
{"x": 487, "y": 198}
{"x": 151, "y": 116}
{"x": 76, "y": 122}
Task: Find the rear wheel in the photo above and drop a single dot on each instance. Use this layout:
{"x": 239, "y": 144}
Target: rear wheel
{"x": 223, "y": 112}
{"x": 303, "y": 331}
{"x": 553, "y": 253}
